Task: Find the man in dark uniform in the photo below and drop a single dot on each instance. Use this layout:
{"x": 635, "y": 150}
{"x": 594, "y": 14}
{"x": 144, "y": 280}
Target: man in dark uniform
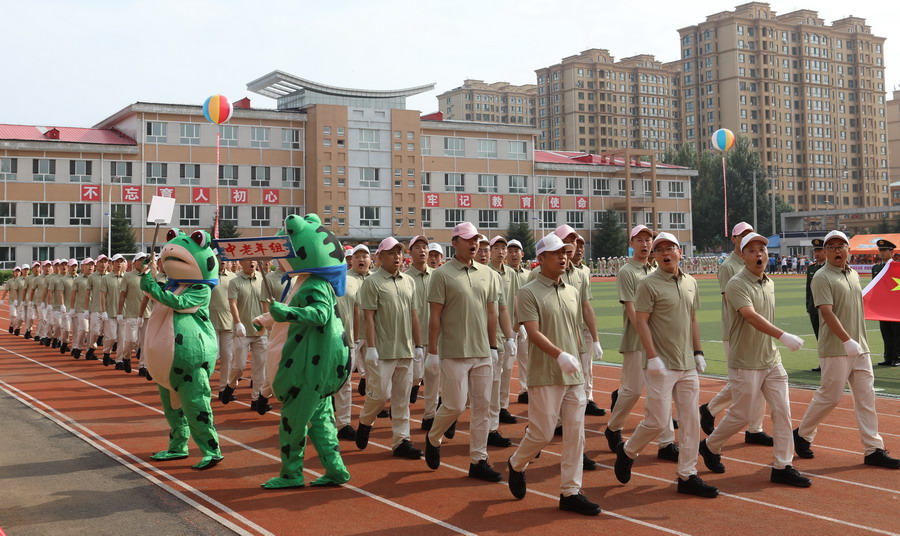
{"x": 890, "y": 331}
{"x": 819, "y": 257}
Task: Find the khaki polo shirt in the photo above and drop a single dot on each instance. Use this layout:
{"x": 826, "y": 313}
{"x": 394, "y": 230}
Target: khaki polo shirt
{"x": 273, "y": 288}
{"x": 671, "y": 302}
{"x": 27, "y": 287}
{"x": 82, "y": 290}
{"x": 840, "y": 289}
{"x": 247, "y": 291}
{"x": 555, "y": 308}
{"x": 110, "y": 284}
{"x": 585, "y": 269}
{"x": 501, "y": 281}
{"x": 421, "y": 279}
{"x": 392, "y": 297}
{"x": 572, "y": 276}
{"x": 517, "y": 279}
{"x": 67, "y": 282}
{"x": 54, "y": 287}
{"x": 751, "y": 348}
{"x": 346, "y": 303}
{"x": 358, "y": 277}
{"x": 732, "y": 265}
{"x": 627, "y": 282}
{"x": 464, "y": 291}
{"x": 131, "y": 286}
{"x": 94, "y": 280}
{"x": 219, "y": 310}
{"x": 40, "y": 287}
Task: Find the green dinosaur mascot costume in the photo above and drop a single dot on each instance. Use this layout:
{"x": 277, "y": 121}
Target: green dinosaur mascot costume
{"x": 183, "y": 353}
{"x": 309, "y": 354}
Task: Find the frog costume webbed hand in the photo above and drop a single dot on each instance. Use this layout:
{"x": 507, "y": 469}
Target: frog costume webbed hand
{"x": 309, "y": 354}
{"x": 183, "y": 352}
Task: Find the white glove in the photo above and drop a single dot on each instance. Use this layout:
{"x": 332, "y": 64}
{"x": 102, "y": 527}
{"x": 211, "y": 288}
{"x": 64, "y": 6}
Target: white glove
{"x": 42, "y": 306}
{"x": 656, "y": 367}
{"x": 15, "y": 303}
{"x": 62, "y": 309}
{"x": 418, "y": 354}
{"x": 103, "y": 316}
{"x": 523, "y": 333}
{"x": 700, "y": 362}
{"x": 72, "y": 315}
{"x": 598, "y": 351}
{"x": 239, "y": 330}
{"x": 120, "y": 318}
{"x": 86, "y": 315}
{"x": 792, "y": 341}
{"x": 140, "y": 321}
{"x": 568, "y": 363}
{"x": 371, "y": 357}
{"x": 495, "y": 357}
{"x": 853, "y": 348}
{"x": 511, "y": 346}
{"x": 433, "y": 364}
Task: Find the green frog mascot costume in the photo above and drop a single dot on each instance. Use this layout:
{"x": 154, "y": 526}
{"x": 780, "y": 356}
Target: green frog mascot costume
{"x": 309, "y": 353}
{"x": 183, "y": 354}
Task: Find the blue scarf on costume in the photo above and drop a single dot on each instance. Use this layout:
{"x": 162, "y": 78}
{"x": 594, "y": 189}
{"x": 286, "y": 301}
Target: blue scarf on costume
{"x": 172, "y": 284}
{"x": 335, "y": 275}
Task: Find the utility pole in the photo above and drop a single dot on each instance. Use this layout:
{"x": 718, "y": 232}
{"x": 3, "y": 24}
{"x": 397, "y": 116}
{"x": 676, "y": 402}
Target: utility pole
{"x": 755, "y": 226}
{"x": 772, "y": 181}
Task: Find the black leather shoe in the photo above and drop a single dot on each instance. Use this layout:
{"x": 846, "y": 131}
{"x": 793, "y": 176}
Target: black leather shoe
{"x": 759, "y": 438}
{"x": 517, "y": 485}
{"x": 451, "y": 432}
{"x": 384, "y": 414}
{"x": 226, "y": 395}
{"x": 593, "y": 409}
{"x": 76, "y": 353}
{"x": 558, "y": 431}
{"x": 707, "y": 420}
{"x": 406, "y": 450}
{"x": 427, "y": 423}
{"x": 578, "y": 504}
{"x": 506, "y": 417}
{"x": 712, "y": 460}
{"x": 27, "y": 334}
{"x": 362, "y": 436}
{"x": 126, "y": 365}
{"x": 669, "y": 453}
{"x": 432, "y": 454}
{"x": 90, "y": 355}
{"x": 361, "y": 387}
{"x": 142, "y": 372}
{"x": 623, "y": 464}
{"x": 100, "y": 340}
{"x": 262, "y": 405}
{"x": 880, "y": 458}
{"x": 16, "y": 332}
{"x": 790, "y": 476}
{"x": 817, "y": 369}
{"x": 496, "y": 439}
{"x": 64, "y": 348}
{"x": 613, "y": 398}
{"x": 115, "y": 346}
{"x": 120, "y": 365}
{"x": 106, "y": 360}
{"x": 347, "y": 433}
{"x": 483, "y": 471}
{"x": 694, "y": 485}
{"x": 587, "y": 464}
{"x": 414, "y": 394}
{"x": 801, "y": 446}
{"x": 523, "y": 397}
{"x": 613, "y": 438}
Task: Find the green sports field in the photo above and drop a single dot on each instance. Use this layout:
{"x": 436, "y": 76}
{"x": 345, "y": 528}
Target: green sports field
{"x": 791, "y": 316}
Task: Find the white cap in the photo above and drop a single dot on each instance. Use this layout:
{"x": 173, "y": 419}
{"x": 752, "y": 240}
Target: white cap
{"x": 139, "y": 255}
{"x": 753, "y": 237}
{"x": 741, "y": 228}
{"x": 664, "y": 237}
{"x": 637, "y": 229}
{"x": 514, "y": 244}
{"x": 348, "y": 252}
{"x": 836, "y": 234}
{"x": 361, "y": 247}
{"x": 388, "y": 244}
{"x": 434, "y": 246}
{"x": 117, "y": 257}
{"x": 552, "y": 242}
{"x": 482, "y": 238}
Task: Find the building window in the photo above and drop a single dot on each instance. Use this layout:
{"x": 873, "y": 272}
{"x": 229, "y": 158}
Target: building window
{"x": 575, "y": 218}
{"x": 488, "y": 219}
{"x": 426, "y": 217}
{"x": 290, "y": 138}
{"x": 157, "y": 173}
{"x": 123, "y": 209}
{"x": 326, "y": 142}
{"x": 454, "y": 147}
{"x": 601, "y": 186}
{"x": 156, "y": 132}
{"x": 189, "y": 215}
{"x": 368, "y": 178}
{"x": 676, "y": 220}
{"x": 7, "y": 258}
{"x": 259, "y": 175}
{"x": 228, "y": 213}
{"x": 291, "y": 177}
{"x": 260, "y": 216}
{"x": 487, "y": 148}
{"x": 259, "y": 137}
{"x": 454, "y": 182}
{"x": 518, "y": 184}
{"x": 8, "y": 169}
{"x": 190, "y": 174}
{"x": 676, "y": 189}
{"x": 79, "y": 214}
{"x": 43, "y": 214}
{"x": 453, "y": 217}
{"x": 7, "y": 213}
{"x": 517, "y": 150}
{"x": 190, "y": 134}
{"x": 42, "y": 253}
{"x": 228, "y": 175}
{"x": 547, "y": 219}
{"x": 79, "y": 252}
{"x": 229, "y": 136}
{"x": 80, "y": 170}
{"x": 546, "y": 185}
{"x": 426, "y": 182}
{"x": 425, "y": 142}
{"x": 487, "y": 184}
{"x": 518, "y": 216}
{"x": 120, "y": 172}
{"x": 368, "y": 139}
{"x": 574, "y": 185}
{"x": 370, "y": 216}
{"x": 44, "y": 170}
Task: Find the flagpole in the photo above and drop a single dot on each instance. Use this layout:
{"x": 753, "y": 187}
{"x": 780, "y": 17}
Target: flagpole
{"x": 725, "y": 191}
{"x": 216, "y": 217}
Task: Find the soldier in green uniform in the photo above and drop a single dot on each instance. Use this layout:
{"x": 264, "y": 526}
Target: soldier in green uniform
{"x": 819, "y": 256}
{"x": 890, "y": 331}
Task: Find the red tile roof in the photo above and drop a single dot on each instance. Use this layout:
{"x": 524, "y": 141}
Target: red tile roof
{"x": 65, "y": 135}
{"x": 568, "y": 157}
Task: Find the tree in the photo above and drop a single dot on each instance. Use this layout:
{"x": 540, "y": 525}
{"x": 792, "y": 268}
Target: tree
{"x": 122, "y": 236}
{"x": 883, "y": 227}
{"x": 608, "y": 238}
{"x": 520, "y": 232}
{"x": 227, "y": 229}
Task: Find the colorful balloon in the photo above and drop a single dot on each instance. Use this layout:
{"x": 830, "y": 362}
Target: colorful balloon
{"x": 217, "y": 109}
{"x": 723, "y": 139}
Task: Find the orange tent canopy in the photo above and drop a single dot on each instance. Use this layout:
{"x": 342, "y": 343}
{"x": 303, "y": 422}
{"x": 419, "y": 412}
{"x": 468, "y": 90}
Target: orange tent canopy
{"x": 865, "y": 244}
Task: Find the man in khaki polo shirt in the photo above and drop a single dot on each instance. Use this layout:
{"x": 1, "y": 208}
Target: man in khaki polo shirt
{"x": 11, "y": 294}
{"x": 754, "y": 364}
{"x": 30, "y": 306}
{"x": 79, "y": 307}
{"x": 723, "y": 399}
{"x": 435, "y": 255}
{"x": 548, "y": 309}
{"x": 42, "y": 299}
{"x": 109, "y": 297}
{"x": 244, "y": 294}
{"x": 843, "y": 355}
{"x": 220, "y": 316}
{"x": 421, "y": 274}
{"x": 67, "y": 296}
{"x": 665, "y": 311}
{"x": 387, "y": 299}
{"x": 518, "y": 278}
{"x": 506, "y": 342}
{"x": 463, "y": 318}
{"x": 632, "y": 377}
{"x": 351, "y": 317}
{"x": 360, "y": 264}
{"x": 129, "y": 317}
{"x": 95, "y": 307}
{"x": 500, "y": 251}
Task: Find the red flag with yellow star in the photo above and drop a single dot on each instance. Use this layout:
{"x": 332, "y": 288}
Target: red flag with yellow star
{"x": 881, "y": 297}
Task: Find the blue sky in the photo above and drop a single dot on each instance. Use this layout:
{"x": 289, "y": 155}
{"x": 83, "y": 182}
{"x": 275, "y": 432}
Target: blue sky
{"x": 73, "y": 63}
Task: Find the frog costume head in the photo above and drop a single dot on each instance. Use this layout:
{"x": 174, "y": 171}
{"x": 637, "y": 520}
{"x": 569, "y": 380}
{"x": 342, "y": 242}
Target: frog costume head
{"x": 316, "y": 251}
{"x": 189, "y": 259}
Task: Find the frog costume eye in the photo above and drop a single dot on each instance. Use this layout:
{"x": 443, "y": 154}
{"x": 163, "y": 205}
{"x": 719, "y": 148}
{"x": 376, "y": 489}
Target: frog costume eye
{"x": 173, "y": 232}
{"x": 200, "y": 238}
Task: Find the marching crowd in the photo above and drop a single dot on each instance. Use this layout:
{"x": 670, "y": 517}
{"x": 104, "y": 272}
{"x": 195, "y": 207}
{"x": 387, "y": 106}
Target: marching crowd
{"x": 461, "y": 326}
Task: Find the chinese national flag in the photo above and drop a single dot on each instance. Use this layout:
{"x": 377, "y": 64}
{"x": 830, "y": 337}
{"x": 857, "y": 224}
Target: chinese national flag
{"x": 881, "y": 297}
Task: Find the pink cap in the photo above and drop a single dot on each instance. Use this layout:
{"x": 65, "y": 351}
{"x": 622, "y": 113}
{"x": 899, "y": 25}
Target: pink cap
{"x": 102, "y": 257}
{"x": 87, "y": 260}
{"x": 46, "y": 263}
{"x": 36, "y": 263}
{"x": 417, "y": 238}
{"x": 72, "y": 262}
{"x": 498, "y": 238}
{"x": 741, "y": 228}
{"x": 579, "y": 238}
{"x": 464, "y": 230}
{"x": 637, "y": 229}
{"x": 388, "y": 244}
{"x": 564, "y": 231}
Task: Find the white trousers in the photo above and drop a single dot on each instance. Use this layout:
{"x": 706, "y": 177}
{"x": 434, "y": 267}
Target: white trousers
{"x": 225, "y": 339}
{"x": 683, "y": 386}
{"x": 522, "y": 360}
{"x": 465, "y": 379}
{"x": 80, "y": 329}
{"x": 343, "y": 397}
{"x": 110, "y": 334}
{"x": 390, "y": 380}
{"x": 747, "y": 386}
{"x": 96, "y": 328}
{"x": 725, "y": 399}
{"x": 587, "y": 362}
{"x": 837, "y": 372}
{"x": 630, "y": 388}
{"x": 129, "y": 333}
{"x": 432, "y": 378}
{"x": 547, "y": 403}
{"x": 257, "y": 346}
{"x": 497, "y": 370}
